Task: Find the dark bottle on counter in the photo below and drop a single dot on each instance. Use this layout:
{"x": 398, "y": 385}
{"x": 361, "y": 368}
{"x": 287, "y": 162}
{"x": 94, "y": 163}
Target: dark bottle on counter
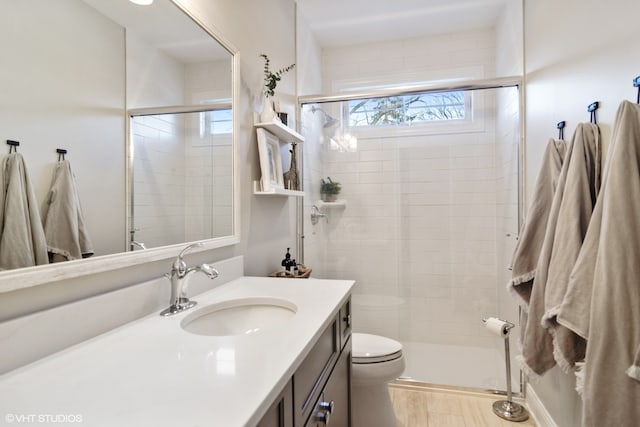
{"x": 289, "y": 263}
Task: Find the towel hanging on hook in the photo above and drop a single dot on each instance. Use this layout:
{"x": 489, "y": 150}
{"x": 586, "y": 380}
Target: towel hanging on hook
{"x": 61, "y": 152}
{"x": 592, "y": 109}
{"x": 636, "y": 83}
{"x": 560, "y": 126}
{"x": 12, "y": 145}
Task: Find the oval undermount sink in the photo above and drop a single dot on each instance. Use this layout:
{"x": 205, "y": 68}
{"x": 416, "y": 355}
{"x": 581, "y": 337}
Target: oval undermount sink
{"x": 239, "y": 316}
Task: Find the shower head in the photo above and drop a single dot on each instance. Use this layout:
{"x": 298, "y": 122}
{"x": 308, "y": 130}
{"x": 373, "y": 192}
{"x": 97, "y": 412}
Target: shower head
{"x": 329, "y": 121}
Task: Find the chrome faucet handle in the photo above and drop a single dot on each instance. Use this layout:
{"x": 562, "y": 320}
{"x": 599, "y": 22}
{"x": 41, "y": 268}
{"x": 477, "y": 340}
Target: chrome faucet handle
{"x": 208, "y": 269}
{"x": 179, "y": 265}
{"x": 316, "y": 214}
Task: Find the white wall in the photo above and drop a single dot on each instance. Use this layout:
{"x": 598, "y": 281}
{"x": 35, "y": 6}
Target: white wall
{"x": 267, "y": 224}
{"x": 449, "y": 56}
{"x": 576, "y": 52}
{"x": 47, "y": 103}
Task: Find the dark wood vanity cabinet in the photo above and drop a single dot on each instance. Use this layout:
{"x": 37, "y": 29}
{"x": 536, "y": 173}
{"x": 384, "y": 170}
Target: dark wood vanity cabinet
{"x": 319, "y": 393}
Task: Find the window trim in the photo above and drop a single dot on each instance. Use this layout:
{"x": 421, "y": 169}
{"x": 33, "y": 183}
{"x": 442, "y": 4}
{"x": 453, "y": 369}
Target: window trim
{"x": 473, "y": 122}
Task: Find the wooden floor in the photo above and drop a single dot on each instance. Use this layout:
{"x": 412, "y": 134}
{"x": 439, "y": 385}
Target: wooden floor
{"x": 424, "y": 405}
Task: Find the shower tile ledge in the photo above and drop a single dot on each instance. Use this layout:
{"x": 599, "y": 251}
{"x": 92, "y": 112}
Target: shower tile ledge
{"x": 151, "y": 372}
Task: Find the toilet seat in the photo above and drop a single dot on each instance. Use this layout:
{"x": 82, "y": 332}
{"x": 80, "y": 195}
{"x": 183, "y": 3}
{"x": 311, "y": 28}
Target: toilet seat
{"x": 367, "y": 348}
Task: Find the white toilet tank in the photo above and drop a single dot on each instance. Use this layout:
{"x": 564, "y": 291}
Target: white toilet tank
{"x": 378, "y": 314}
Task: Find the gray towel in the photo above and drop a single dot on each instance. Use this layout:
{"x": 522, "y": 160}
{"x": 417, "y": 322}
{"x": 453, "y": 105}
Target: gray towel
{"x": 65, "y": 230}
{"x": 602, "y": 302}
{"x": 527, "y": 251}
{"x": 22, "y": 242}
{"x": 569, "y": 216}
{"x": 579, "y": 198}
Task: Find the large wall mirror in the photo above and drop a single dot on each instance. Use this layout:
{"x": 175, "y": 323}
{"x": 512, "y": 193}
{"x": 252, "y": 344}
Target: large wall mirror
{"x": 141, "y": 99}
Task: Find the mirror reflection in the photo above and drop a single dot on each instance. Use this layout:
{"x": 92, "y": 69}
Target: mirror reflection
{"x": 75, "y": 73}
{"x": 181, "y": 181}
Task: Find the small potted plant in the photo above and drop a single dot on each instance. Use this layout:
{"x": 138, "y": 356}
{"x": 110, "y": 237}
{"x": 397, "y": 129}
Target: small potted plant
{"x": 271, "y": 80}
{"x": 329, "y": 190}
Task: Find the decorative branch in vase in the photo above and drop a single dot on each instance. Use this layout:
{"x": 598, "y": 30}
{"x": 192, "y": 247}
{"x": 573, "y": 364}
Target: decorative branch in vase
{"x": 271, "y": 80}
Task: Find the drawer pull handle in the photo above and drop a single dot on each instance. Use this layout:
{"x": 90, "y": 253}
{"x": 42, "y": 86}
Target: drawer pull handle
{"x": 323, "y": 417}
{"x": 327, "y": 406}
{"x": 324, "y": 414}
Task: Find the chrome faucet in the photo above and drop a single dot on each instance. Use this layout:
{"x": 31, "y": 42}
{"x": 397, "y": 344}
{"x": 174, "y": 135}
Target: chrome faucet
{"x": 178, "y": 276}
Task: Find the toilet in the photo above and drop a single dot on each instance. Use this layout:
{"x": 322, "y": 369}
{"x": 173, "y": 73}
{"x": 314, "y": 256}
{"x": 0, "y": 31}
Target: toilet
{"x": 376, "y": 361}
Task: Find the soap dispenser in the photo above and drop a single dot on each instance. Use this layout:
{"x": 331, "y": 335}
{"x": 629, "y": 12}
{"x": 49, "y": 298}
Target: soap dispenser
{"x": 289, "y": 262}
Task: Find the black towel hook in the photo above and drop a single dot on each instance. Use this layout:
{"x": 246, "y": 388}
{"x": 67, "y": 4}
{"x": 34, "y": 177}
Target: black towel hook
{"x": 560, "y": 126}
{"x": 61, "y": 152}
{"x": 592, "y": 109}
{"x": 12, "y": 145}
{"x": 636, "y": 83}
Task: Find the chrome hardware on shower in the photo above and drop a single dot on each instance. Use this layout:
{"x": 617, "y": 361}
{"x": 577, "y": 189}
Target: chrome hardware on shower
{"x": 135, "y": 243}
{"x": 316, "y": 214}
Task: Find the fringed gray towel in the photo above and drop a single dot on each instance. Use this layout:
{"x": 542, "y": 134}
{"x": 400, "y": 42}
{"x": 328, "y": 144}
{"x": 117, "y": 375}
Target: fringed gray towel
{"x": 569, "y": 217}
{"x": 603, "y": 299}
{"x": 22, "y": 242}
{"x": 527, "y": 251}
{"x": 65, "y": 230}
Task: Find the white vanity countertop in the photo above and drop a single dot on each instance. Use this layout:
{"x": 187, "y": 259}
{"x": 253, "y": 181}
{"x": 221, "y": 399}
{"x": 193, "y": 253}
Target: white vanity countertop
{"x": 152, "y": 373}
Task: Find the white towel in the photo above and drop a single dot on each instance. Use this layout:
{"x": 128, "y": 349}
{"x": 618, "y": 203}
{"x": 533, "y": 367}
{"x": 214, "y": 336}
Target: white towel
{"x": 65, "y": 230}
{"x": 527, "y": 251}
{"x": 22, "y": 241}
{"x": 602, "y": 302}
{"x": 568, "y": 219}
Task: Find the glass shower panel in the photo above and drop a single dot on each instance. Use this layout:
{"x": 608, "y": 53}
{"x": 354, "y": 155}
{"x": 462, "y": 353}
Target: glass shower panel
{"x": 425, "y": 222}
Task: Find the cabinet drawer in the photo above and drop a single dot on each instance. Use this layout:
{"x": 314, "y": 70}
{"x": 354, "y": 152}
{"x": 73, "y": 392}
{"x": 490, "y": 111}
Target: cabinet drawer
{"x": 314, "y": 371}
{"x": 333, "y": 408}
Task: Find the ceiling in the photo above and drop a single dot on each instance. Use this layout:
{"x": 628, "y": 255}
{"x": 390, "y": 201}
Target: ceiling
{"x": 163, "y": 25}
{"x": 347, "y": 22}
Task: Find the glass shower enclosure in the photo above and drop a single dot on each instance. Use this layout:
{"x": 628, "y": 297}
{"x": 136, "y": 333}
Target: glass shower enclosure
{"x": 426, "y": 220}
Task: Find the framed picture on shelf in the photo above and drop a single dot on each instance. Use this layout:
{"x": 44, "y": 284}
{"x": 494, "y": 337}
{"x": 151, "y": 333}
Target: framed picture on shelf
{"x": 270, "y": 161}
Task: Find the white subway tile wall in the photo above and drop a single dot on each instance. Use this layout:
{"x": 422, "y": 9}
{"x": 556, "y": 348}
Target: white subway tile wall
{"x": 182, "y": 180}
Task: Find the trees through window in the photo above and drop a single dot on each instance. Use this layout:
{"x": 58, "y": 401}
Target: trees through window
{"x": 408, "y": 109}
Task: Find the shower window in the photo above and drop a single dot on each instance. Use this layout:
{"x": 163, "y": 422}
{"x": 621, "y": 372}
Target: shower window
{"x": 409, "y": 109}
{"x": 216, "y": 122}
